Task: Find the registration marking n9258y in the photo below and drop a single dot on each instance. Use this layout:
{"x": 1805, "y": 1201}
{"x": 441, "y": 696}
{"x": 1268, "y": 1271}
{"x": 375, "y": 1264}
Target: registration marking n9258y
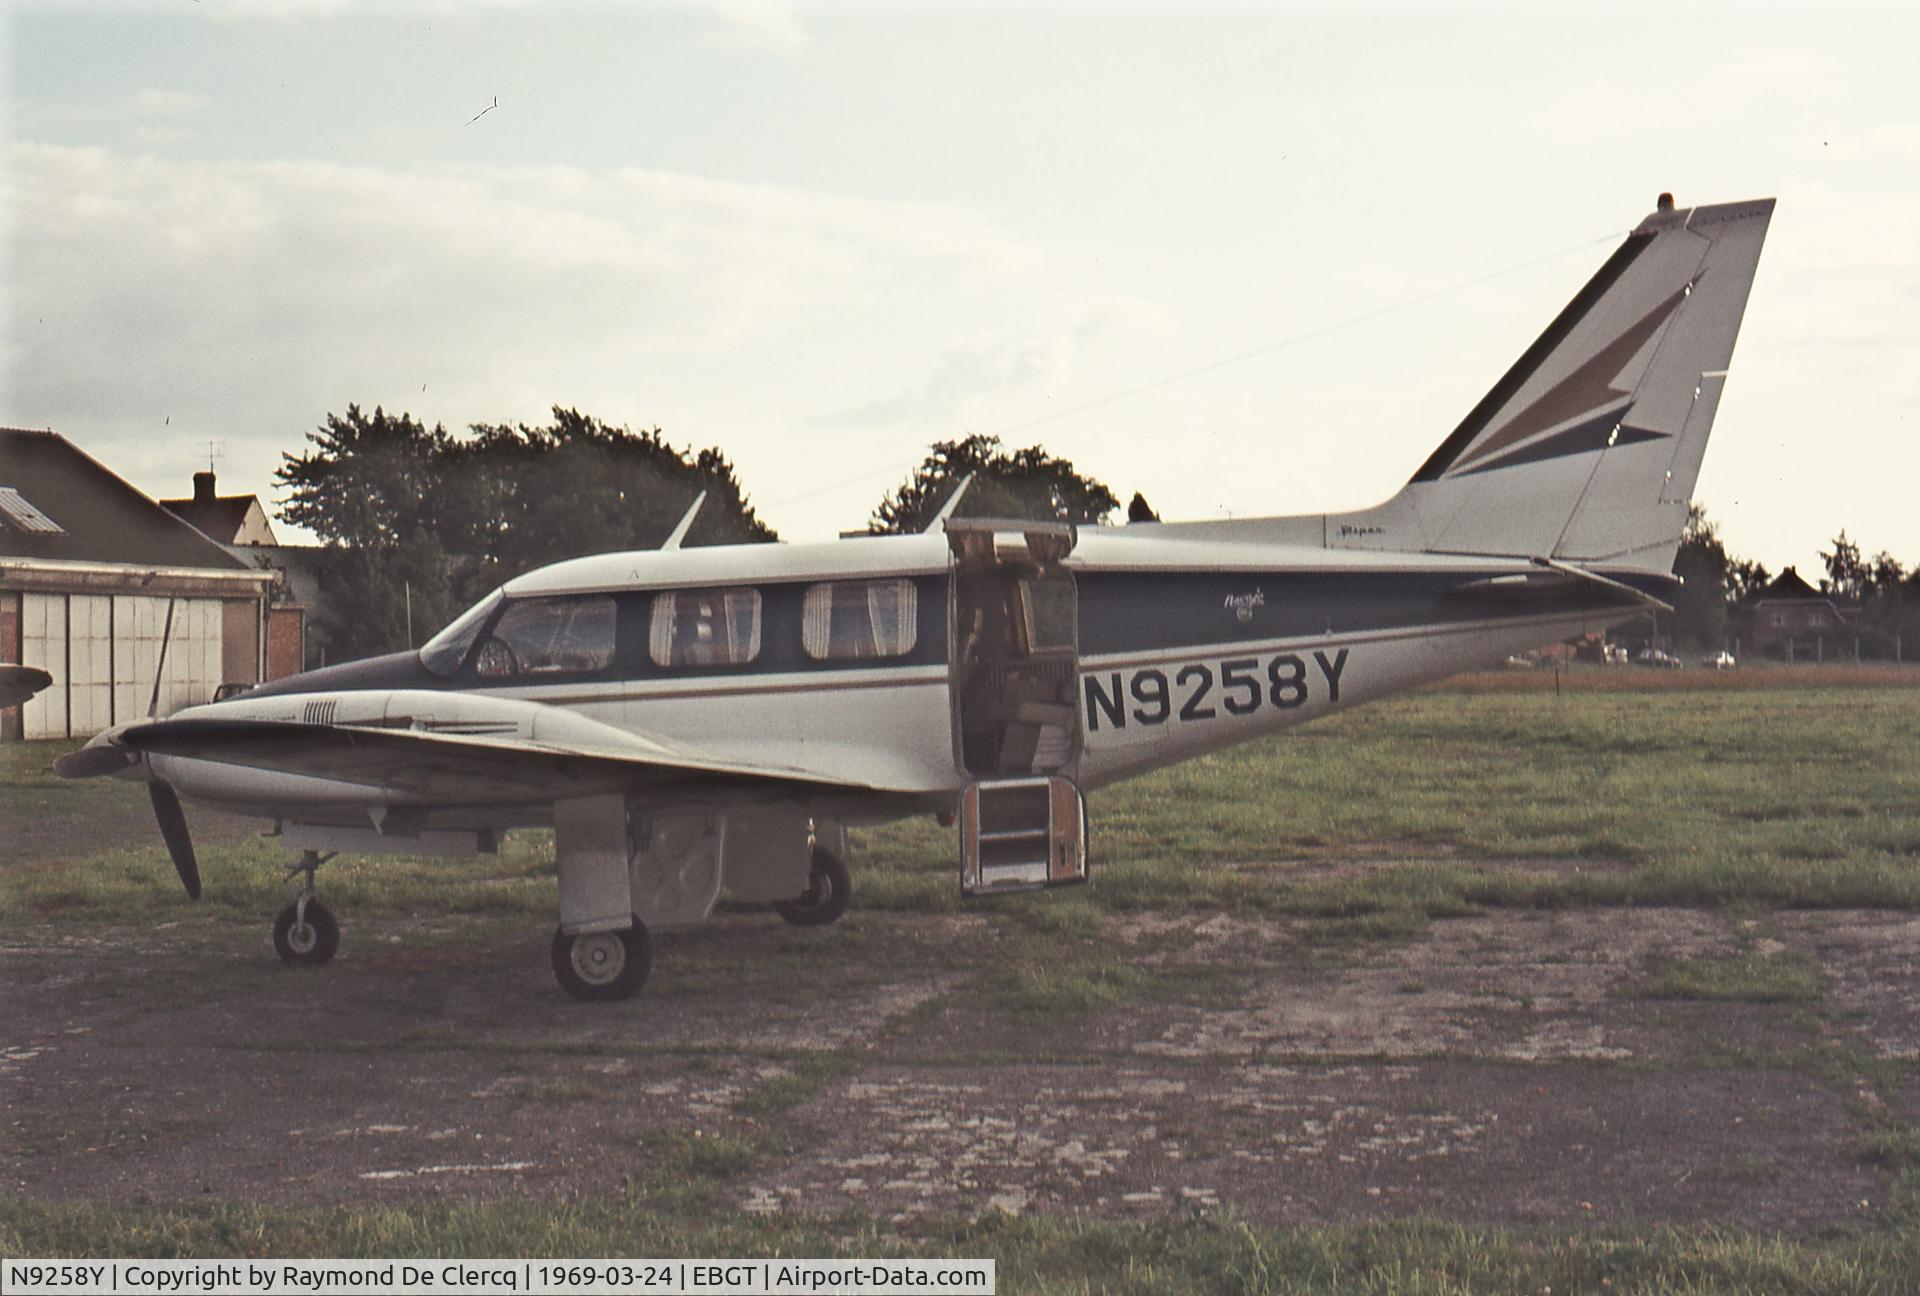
{"x": 1207, "y": 690}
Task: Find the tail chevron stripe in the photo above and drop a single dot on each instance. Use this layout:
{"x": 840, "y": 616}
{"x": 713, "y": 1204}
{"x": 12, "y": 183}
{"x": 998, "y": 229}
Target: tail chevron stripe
{"x": 1583, "y": 391}
{"x": 1576, "y": 310}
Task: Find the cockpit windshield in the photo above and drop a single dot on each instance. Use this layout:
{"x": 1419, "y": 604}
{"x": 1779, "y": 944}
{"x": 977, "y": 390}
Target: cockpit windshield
{"x": 445, "y": 652}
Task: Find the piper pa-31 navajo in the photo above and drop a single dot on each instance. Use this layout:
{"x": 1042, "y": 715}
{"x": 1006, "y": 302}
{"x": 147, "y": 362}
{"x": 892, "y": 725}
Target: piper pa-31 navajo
{"x": 692, "y": 719}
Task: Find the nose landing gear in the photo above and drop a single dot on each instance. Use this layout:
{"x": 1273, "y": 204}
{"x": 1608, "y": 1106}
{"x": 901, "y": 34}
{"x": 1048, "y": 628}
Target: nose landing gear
{"x": 306, "y": 933}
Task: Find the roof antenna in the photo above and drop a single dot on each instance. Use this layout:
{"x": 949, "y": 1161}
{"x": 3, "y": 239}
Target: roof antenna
{"x": 686, "y": 521}
{"x": 215, "y": 449}
{"x": 953, "y": 502}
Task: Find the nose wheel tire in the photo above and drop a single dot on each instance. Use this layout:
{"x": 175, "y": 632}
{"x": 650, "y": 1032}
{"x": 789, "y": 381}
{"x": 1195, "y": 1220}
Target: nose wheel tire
{"x": 829, "y": 892}
{"x": 306, "y": 939}
{"x": 598, "y": 966}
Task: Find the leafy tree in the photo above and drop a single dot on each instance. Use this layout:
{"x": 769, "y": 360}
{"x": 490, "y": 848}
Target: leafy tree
{"x": 1715, "y": 583}
{"x": 1891, "y": 604}
{"x": 535, "y": 495}
{"x": 418, "y": 516}
{"x": 1745, "y": 578}
{"x": 1700, "y": 604}
{"x": 1028, "y": 484}
{"x": 1848, "y": 575}
{"x": 1888, "y": 597}
{"x": 370, "y": 480}
{"x": 1885, "y": 574}
{"x": 1909, "y": 625}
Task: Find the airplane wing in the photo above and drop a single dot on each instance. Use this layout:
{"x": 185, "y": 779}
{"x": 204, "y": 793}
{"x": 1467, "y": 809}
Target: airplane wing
{"x": 458, "y": 768}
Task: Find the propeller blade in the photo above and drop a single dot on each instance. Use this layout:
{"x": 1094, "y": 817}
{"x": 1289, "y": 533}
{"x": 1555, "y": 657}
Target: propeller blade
{"x": 92, "y": 761}
{"x": 160, "y": 667}
{"x": 173, "y": 827}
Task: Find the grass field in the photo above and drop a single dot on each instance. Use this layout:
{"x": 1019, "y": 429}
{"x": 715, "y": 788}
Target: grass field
{"x": 1355, "y": 837}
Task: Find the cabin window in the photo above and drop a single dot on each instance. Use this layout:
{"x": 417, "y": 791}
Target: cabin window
{"x": 549, "y": 636}
{"x": 705, "y": 627}
{"x": 851, "y": 620}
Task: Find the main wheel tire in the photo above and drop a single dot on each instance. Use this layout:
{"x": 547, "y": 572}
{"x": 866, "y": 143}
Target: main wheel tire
{"x": 599, "y": 966}
{"x": 306, "y": 943}
{"x": 829, "y": 892}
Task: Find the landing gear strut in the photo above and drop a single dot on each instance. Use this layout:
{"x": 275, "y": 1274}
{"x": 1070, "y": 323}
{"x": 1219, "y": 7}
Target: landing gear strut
{"x": 306, "y": 934}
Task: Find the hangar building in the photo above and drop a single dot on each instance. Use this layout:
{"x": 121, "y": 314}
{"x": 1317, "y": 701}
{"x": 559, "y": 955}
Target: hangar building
{"x": 88, "y": 569}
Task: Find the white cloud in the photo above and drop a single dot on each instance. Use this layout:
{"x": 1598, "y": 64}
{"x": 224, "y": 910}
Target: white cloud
{"x": 763, "y": 24}
{"x": 246, "y": 300}
{"x": 165, "y": 103}
{"x": 961, "y": 376}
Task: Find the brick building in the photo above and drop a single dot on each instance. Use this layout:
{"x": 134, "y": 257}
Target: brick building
{"x": 1793, "y": 621}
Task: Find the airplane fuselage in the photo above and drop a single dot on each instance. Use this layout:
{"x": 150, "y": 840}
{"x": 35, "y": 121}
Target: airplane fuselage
{"x": 1182, "y": 647}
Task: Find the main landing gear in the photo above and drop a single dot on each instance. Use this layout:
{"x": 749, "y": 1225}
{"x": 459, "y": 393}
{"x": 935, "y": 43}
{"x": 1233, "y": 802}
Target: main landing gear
{"x": 829, "y": 892}
{"x": 306, "y": 934}
{"x": 598, "y": 966}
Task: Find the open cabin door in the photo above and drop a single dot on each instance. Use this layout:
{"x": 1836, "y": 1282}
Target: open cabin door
{"x": 1016, "y": 719}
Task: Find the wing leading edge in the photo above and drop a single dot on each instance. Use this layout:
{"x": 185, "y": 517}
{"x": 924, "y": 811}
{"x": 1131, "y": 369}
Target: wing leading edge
{"x": 452, "y": 767}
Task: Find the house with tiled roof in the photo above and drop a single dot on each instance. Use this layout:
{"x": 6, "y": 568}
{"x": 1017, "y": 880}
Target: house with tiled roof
{"x": 1792, "y": 620}
{"x": 226, "y": 519}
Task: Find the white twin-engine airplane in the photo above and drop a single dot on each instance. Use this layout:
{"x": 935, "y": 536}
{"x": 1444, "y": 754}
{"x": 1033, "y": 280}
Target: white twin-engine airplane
{"x": 692, "y": 719}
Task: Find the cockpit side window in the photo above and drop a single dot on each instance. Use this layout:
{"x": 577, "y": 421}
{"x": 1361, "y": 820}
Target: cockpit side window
{"x": 447, "y": 651}
{"x": 704, "y": 627}
{"x": 549, "y": 636}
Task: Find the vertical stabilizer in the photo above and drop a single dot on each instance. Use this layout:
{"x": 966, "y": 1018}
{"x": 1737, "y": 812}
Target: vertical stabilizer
{"x": 1587, "y": 449}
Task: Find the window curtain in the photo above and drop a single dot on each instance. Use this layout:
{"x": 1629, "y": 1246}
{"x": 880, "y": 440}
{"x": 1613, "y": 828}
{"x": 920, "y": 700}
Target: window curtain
{"x": 893, "y": 612}
{"x": 660, "y": 631}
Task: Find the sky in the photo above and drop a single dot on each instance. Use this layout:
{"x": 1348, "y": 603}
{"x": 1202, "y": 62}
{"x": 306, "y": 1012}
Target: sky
{"x": 1248, "y": 260}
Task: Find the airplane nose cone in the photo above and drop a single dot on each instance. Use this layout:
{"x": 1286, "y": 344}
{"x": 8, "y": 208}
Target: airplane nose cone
{"x": 97, "y": 758}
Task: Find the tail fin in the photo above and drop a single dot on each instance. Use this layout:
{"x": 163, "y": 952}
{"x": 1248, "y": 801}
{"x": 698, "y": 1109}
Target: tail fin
{"x": 1588, "y": 448}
